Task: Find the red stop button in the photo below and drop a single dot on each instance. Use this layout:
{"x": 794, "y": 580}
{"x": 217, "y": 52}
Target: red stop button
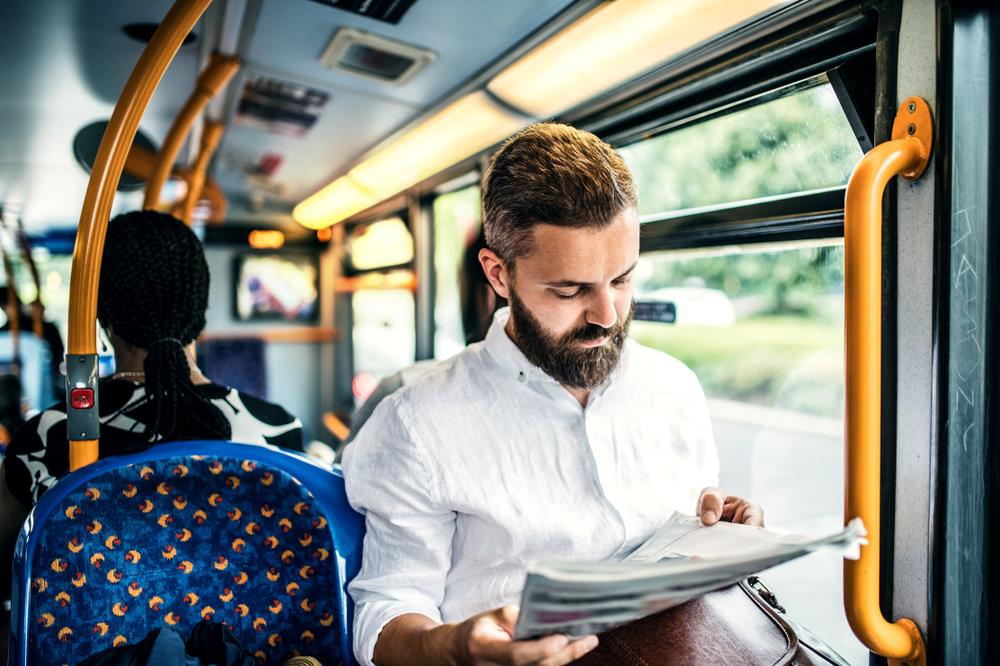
{"x": 81, "y": 398}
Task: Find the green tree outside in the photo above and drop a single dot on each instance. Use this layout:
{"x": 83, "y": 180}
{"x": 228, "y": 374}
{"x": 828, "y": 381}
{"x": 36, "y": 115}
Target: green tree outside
{"x": 786, "y": 344}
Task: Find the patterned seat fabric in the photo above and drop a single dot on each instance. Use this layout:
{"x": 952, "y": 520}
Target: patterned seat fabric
{"x": 175, "y": 541}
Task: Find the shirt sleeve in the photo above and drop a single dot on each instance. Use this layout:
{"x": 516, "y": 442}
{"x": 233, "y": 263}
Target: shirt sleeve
{"x": 407, "y": 546}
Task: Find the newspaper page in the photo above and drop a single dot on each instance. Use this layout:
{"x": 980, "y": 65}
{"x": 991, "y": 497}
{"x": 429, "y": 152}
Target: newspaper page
{"x": 679, "y": 562}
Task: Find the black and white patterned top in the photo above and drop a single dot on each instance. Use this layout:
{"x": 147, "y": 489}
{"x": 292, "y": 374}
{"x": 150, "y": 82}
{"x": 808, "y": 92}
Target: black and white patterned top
{"x": 38, "y": 454}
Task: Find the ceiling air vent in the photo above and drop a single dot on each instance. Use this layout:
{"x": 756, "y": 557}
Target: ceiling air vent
{"x": 375, "y": 57}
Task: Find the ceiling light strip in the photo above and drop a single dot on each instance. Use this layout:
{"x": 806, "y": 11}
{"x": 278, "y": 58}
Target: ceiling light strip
{"x": 586, "y": 58}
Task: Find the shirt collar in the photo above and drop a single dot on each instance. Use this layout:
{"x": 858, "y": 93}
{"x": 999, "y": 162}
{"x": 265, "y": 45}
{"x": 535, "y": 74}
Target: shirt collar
{"x": 507, "y": 354}
{"x": 512, "y": 360}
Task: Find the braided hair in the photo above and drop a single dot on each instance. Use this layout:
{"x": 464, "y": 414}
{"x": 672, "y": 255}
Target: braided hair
{"x": 153, "y": 295}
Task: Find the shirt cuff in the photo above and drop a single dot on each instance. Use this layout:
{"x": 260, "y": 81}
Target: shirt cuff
{"x": 371, "y": 618}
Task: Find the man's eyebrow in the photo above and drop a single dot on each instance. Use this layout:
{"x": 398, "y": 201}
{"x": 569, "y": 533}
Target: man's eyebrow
{"x": 630, "y": 269}
{"x": 565, "y": 284}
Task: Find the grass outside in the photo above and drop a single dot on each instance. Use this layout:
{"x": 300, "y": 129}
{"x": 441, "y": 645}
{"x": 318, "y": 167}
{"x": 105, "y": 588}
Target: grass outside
{"x": 780, "y": 361}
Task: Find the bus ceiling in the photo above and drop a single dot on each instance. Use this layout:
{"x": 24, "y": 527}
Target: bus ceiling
{"x": 351, "y": 92}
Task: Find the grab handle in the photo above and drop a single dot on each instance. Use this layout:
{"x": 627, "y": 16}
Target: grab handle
{"x": 210, "y": 138}
{"x": 215, "y": 76}
{"x": 907, "y": 154}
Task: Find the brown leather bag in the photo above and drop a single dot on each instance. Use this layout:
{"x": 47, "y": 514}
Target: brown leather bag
{"x": 741, "y": 624}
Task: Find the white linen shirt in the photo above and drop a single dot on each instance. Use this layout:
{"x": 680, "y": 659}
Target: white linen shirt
{"x": 487, "y": 463}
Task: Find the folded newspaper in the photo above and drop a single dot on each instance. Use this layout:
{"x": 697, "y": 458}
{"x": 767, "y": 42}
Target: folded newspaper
{"x": 679, "y": 562}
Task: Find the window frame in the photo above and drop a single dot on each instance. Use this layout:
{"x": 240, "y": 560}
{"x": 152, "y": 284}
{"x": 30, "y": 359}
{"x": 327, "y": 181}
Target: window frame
{"x": 344, "y": 361}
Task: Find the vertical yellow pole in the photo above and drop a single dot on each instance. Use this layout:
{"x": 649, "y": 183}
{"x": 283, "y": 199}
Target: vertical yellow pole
{"x": 104, "y": 178}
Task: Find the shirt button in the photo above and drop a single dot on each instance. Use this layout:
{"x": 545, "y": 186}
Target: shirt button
{"x": 521, "y": 377}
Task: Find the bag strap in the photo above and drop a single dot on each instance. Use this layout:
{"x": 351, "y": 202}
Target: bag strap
{"x": 807, "y": 644}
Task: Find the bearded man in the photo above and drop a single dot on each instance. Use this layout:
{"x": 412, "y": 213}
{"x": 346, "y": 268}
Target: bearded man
{"x": 557, "y": 437}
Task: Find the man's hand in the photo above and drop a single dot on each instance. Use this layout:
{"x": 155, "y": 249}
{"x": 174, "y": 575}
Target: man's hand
{"x": 715, "y": 505}
{"x": 482, "y": 640}
{"x": 486, "y": 639}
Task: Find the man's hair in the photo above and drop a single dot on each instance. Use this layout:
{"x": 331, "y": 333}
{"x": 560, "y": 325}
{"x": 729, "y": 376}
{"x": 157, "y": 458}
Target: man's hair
{"x": 551, "y": 174}
{"x": 153, "y": 295}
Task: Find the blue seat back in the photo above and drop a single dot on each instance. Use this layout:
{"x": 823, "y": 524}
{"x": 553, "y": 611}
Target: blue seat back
{"x": 240, "y": 363}
{"x": 260, "y": 539}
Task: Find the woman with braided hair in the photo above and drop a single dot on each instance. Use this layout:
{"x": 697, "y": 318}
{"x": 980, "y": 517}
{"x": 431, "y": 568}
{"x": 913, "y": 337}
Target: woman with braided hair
{"x": 152, "y": 301}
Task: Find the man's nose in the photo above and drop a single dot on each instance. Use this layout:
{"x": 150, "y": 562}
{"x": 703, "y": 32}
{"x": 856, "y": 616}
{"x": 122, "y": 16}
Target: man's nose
{"x": 601, "y": 309}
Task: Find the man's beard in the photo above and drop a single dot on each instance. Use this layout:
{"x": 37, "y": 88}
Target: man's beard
{"x": 562, "y": 359}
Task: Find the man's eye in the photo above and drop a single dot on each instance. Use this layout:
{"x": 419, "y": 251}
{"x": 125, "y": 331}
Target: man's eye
{"x": 568, "y": 295}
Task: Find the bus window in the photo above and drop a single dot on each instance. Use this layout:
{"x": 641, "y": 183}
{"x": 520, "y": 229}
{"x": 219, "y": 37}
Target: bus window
{"x": 378, "y": 291}
{"x": 381, "y": 244}
{"x": 54, "y": 271}
{"x": 384, "y": 336}
{"x": 793, "y": 143}
{"x": 457, "y": 220}
{"x": 762, "y": 327}
{"x": 760, "y": 323}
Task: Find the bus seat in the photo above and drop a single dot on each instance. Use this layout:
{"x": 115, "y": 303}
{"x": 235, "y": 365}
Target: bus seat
{"x": 260, "y": 539}
{"x": 237, "y": 362}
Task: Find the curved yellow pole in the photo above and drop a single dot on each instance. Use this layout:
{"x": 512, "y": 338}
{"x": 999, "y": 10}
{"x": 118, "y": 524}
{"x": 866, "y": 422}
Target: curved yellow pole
{"x": 210, "y": 138}
{"x": 217, "y": 203}
{"x": 212, "y": 79}
{"x": 141, "y": 162}
{"x": 110, "y": 160}
{"x": 907, "y": 154}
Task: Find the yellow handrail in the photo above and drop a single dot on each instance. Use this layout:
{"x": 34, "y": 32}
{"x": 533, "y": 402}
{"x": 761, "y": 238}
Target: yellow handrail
{"x": 212, "y": 79}
{"x": 141, "y": 162}
{"x": 335, "y": 426}
{"x": 210, "y": 138}
{"x": 104, "y": 178}
{"x": 907, "y": 154}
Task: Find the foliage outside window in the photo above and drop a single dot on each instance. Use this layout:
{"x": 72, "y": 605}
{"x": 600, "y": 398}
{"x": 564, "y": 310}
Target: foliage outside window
{"x": 788, "y": 307}
{"x": 791, "y": 144}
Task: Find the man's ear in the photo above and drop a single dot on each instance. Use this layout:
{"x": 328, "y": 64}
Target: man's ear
{"x": 496, "y": 272}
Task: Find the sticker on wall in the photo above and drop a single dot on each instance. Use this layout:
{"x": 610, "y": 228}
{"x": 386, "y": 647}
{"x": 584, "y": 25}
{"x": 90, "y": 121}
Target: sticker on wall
{"x": 252, "y": 163}
{"x": 281, "y": 107}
